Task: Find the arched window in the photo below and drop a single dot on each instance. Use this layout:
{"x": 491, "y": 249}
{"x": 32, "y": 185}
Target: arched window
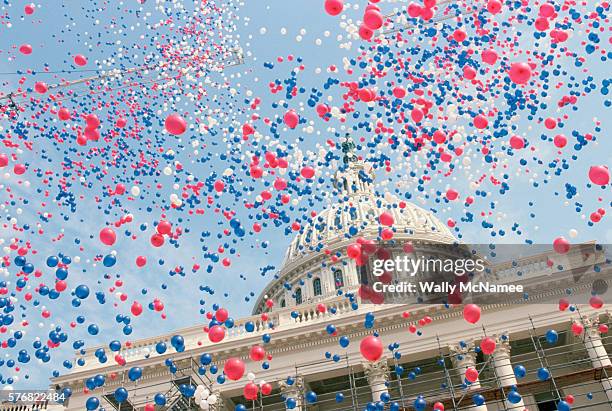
{"x": 283, "y": 304}
{"x": 316, "y": 286}
{"x": 298, "y": 296}
{"x": 338, "y": 279}
{"x": 337, "y": 220}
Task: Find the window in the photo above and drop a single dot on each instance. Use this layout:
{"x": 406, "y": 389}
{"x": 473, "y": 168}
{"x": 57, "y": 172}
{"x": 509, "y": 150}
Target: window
{"x": 283, "y": 303}
{"x": 338, "y": 220}
{"x": 338, "y": 279}
{"x": 363, "y": 274}
{"x": 316, "y": 286}
{"x": 298, "y": 296}
{"x": 353, "y": 213}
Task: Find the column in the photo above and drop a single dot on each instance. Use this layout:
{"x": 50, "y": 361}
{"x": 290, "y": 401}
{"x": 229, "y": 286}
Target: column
{"x": 502, "y": 366}
{"x": 376, "y": 374}
{"x": 463, "y": 357}
{"x": 596, "y": 350}
{"x": 295, "y": 391}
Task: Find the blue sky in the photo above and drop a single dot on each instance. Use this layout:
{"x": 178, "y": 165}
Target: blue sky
{"x": 265, "y": 30}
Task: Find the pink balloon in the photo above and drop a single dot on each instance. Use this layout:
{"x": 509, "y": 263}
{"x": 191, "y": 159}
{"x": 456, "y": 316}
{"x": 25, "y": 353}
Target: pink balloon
{"x": 373, "y": 19}
{"x": 29, "y": 9}
{"x": 80, "y": 60}
{"x": 414, "y": 10}
{"x": 334, "y": 7}
{"x": 234, "y": 368}
{"x": 175, "y": 124}
{"x": 25, "y": 49}
{"x": 494, "y": 6}
{"x": 471, "y": 374}
{"x": 452, "y": 194}
{"x": 216, "y": 333}
{"x": 561, "y": 245}
{"x": 517, "y": 142}
{"x": 307, "y": 172}
{"x": 386, "y": 219}
{"x": 291, "y": 119}
{"x": 560, "y": 141}
{"x": 520, "y": 73}
{"x": 471, "y": 313}
{"x": 487, "y": 345}
{"x": 371, "y": 348}
{"x": 257, "y": 353}
{"x": 365, "y": 32}
{"x": 108, "y": 236}
{"x": 599, "y": 175}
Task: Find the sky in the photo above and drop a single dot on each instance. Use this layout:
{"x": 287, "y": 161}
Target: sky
{"x": 72, "y": 182}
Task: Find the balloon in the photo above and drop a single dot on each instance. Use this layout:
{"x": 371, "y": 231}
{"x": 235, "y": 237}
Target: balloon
{"x": 291, "y": 119}
{"x": 373, "y": 19}
{"x": 561, "y": 245}
{"x": 577, "y": 329}
{"x": 121, "y": 394}
{"x": 266, "y": 389}
{"x": 250, "y": 391}
{"x": 543, "y": 374}
{"x": 478, "y": 399}
{"x": 563, "y": 406}
{"x": 234, "y": 368}
{"x": 136, "y": 308}
{"x": 386, "y": 219}
{"x": 599, "y": 175}
{"x": 517, "y": 142}
{"x": 108, "y": 236}
{"x": 134, "y": 373}
{"x": 344, "y": 341}
{"x": 552, "y": 337}
{"x": 291, "y": 403}
{"x": 221, "y": 315}
{"x": 159, "y": 399}
{"x": 175, "y": 124}
{"x": 471, "y": 374}
{"x": 257, "y": 353}
{"x": 520, "y": 371}
{"x": 216, "y": 333}
{"x": 514, "y": 397}
{"x": 371, "y": 348}
{"x": 438, "y": 406}
{"x": 487, "y": 345}
{"x": 471, "y": 313}
{"x": 311, "y": 397}
{"x": 80, "y": 60}
{"x": 92, "y": 403}
{"x": 520, "y": 73}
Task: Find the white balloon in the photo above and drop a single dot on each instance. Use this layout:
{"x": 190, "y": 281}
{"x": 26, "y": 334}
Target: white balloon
{"x": 199, "y": 389}
{"x": 573, "y": 233}
{"x": 205, "y": 393}
{"x": 204, "y": 405}
{"x": 212, "y": 399}
{"x": 251, "y": 376}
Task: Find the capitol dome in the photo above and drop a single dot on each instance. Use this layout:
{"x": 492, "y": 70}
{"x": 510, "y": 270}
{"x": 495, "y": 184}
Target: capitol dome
{"x": 315, "y": 265}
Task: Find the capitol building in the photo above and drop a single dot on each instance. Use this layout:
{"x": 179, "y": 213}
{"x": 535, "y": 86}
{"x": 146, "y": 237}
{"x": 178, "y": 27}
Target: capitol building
{"x": 545, "y": 357}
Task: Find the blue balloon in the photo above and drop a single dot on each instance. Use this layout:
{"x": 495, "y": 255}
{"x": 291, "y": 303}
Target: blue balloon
{"x": 121, "y": 394}
{"x": 92, "y": 403}
{"x": 543, "y": 374}
{"x": 115, "y": 345}
{"x": 240, "y": 407}
{"x": 311, "y": 397}
{"x": 514, "y": 397}
{"x": 52, "y": 261}
{"x": 420, "y": 404}
{"x": 134, "y": 373}
{"x": 161, "y": 347}
{"x": 109, "y": 260}
{"x": 552, "y": 336}
{"x": 206, "y": 359}
{"x": 385, "y": 397}
{"x": 520, "y": 371}
{"x": 291, "y": 403}
{"x": 160, "y": 399}
{"x": 177, "y": 341}
{"x": 478, "y": 399}
{"x": 344, "y": 341}
{"x": 563, "y": 406}
{"x": 339, "y": 397}
{"x": 249, "y": 326}
{"x": 330, "y": 329}
{"x": 90, "y": 383}
{"x": 394, "y": 406}
{"x": 82, "y": 291}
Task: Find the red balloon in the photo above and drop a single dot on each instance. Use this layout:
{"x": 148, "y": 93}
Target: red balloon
{"x": 216, "y": 333}
{"x": 157, "y": 240}
{"x": 164, "y": 227}
{"x": 561, "y": 245}
{"x": 63, "y": 114}
{"x": 149, "y": 407}
{"x": 307, "y": 172}
{"x": 29, "y": 9}
{"x": 438, "y": 406}
{"x": 563, "y": 304}
{"x": 386, "y": 219}
{"x": 517, "y": 142}
{"x": 25, "y": 49}
{"x": 250, "y": 391}
{"x": 257, "y": 353}
{"x": 371, "y": 348}
{"x": 577, "y": 329}
{"x": 221, "y": 315}
{"x": 234, "y": 368}
{"x": 487, "y": 345}
{"x": 136, "y": 308}
{"x": 291, "y": 119}
{"x": 373, "y": 19}
{"x": 80, "y": 60}
{"x": 365, "y": 32}
{"x": 4, "y": 160}
{"x": 175, "y": 124}
{"x": 353, "y": 250}
{"x": 266, "y": 388}
{"x": 520, "y": 73}
{"x": 596, "y": 302}
{"x": 471, "y": 374}
{"x": 334, "y": 7}
{"x": 108, "y": 236}
{"x": 471, "y": 313}
{"x": 599, "y": 175}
